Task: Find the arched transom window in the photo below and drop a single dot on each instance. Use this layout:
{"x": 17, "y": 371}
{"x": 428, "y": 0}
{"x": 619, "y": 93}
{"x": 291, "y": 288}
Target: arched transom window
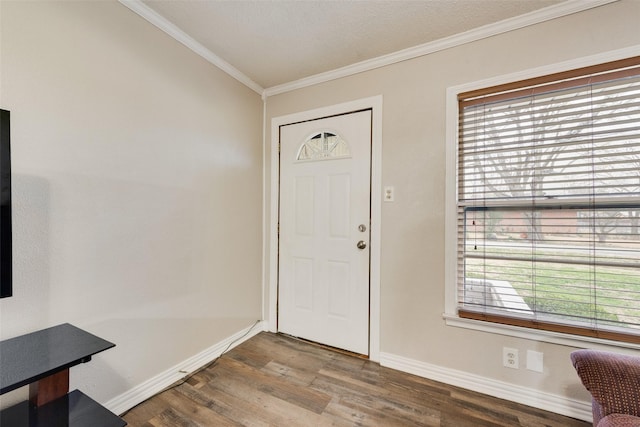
{"x": 323, "y": 146}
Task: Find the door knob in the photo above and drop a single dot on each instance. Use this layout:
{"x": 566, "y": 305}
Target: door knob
{"x": 361, "y": 244}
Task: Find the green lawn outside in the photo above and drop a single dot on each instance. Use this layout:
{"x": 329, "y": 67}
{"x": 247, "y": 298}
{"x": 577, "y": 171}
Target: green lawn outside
{"x": 566, "y": 290}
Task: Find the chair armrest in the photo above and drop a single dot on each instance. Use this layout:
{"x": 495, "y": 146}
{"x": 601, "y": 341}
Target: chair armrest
{"x": 612, "y": 379}
{"x": 619, "y": 420}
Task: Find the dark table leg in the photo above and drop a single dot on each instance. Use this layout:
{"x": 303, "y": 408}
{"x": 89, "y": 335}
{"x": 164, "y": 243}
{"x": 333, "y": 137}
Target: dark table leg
{"x": 49, "y": 388}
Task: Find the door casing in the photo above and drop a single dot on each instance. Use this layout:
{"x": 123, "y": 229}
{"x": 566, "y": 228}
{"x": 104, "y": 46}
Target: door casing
{"x": 270, "y": 288}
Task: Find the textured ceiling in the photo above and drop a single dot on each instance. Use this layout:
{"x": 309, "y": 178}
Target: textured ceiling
{"x": 276, "y": 42}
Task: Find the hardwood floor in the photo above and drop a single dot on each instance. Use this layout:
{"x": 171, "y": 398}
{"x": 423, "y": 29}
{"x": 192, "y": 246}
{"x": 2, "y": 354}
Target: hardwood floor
{"x": 275, "y": 380}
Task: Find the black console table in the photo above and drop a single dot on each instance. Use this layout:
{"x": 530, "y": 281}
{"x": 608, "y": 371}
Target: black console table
{"x": 42, "y": 360}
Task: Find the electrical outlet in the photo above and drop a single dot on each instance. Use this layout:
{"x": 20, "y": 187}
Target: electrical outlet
{"x": 510, "y": 358}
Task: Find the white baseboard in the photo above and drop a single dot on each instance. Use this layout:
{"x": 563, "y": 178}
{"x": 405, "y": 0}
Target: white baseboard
{"x": 152, "y": 386}
{"x": 523, "y": 395}
{"x": 526, "y": 396}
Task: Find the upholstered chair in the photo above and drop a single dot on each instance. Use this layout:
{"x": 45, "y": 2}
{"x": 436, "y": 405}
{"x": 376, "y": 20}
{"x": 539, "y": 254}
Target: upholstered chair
{"x": 614, "y": 383}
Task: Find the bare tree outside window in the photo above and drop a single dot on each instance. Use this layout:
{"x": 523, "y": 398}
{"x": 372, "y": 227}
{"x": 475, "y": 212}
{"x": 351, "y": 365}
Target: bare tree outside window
{"x": 548, "y": 190}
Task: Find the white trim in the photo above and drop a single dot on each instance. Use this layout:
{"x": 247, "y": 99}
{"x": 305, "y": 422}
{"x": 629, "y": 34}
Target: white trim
{"x": 451, "y": 233}
{"x": 451, "y": 202}
{"x": 152, "y": 386}
{"x": 172, "y": 30}
{"x": 489, "y": 386}
{"x": 264, "y": 210}
{"x": 548, "y": 13}
{"x": 375, "y": 103}
{"x": 540, "y": 335}
{"x": 552, "y": 12}
{"x": 587, "y": 61}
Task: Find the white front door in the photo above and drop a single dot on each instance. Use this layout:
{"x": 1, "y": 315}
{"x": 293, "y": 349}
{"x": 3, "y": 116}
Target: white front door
{"x": 325, "y": 208}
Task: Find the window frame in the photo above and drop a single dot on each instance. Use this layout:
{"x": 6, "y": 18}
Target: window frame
{"x": 450, "y": 314}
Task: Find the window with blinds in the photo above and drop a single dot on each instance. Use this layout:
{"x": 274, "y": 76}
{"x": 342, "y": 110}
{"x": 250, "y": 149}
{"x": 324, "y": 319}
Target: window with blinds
{"x": 548, "y": 203}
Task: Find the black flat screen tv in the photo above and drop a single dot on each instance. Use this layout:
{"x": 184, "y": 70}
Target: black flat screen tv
{"x": 6, "y": 288}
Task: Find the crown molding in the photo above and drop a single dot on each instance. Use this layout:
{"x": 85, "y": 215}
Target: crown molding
{"x": 172, "y": 30}
{"x": 552, "y": 12}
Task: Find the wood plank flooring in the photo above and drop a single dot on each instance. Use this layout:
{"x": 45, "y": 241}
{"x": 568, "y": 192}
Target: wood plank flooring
{"x": 275, "y": 380}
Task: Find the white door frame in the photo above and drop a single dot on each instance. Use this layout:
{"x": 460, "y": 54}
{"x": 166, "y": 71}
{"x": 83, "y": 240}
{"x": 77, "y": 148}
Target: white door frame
{"x": 375, "y": 104}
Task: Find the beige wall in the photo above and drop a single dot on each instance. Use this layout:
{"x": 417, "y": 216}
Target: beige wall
{"x": 413, "y": 160}
{"x": 137, "y": 189}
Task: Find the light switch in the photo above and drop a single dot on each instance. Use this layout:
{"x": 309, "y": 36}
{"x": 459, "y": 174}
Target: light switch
{"x": 389, "y": 194}
{"x": 535, "y": 361}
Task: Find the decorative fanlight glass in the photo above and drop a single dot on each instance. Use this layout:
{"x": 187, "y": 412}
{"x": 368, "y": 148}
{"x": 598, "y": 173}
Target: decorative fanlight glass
{"x": 323, "y": 146}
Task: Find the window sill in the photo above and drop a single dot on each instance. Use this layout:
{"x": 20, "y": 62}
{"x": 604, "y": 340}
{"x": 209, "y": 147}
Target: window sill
{"x": 536, "y": 334}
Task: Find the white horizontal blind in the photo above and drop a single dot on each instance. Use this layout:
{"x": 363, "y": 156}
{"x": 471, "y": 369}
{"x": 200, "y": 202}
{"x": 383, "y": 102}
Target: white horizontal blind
{"x": 549, "y": 202}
